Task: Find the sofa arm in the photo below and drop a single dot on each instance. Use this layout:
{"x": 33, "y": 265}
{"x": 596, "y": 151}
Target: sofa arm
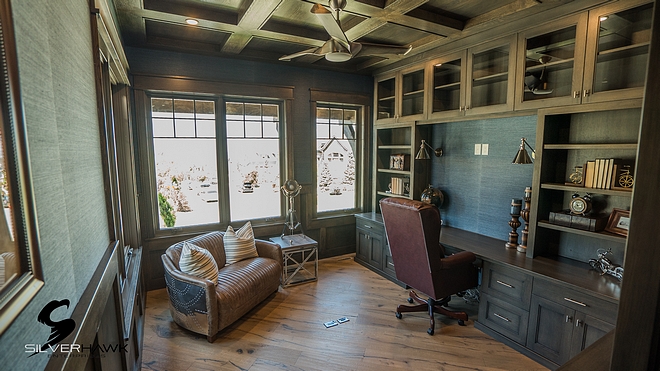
{"x": 267, "y": 249}
{"x": 191, "y": 297}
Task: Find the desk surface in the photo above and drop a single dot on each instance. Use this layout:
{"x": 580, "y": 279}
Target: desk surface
{"x": 563, "y": 270}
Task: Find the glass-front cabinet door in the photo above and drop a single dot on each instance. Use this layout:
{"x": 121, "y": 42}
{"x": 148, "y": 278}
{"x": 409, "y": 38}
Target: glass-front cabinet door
{"x": 617, "y": 51}
{"x": 550, "y": 64}
{"x": 491, "y": 77}
{"x": 386, "y": 100}
{"x": 447, "y": 86}
{"x": 412, "y": 94}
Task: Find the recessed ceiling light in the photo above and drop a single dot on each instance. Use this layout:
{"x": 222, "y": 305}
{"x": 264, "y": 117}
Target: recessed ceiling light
{"x": 192, "y": 21}
{"x": 438, "y": 65}
{"x": 603, "y": 18}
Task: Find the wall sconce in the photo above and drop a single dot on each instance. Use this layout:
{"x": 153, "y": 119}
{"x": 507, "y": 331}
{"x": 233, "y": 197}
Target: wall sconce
{"x": 522, "y": 157}
{"x": 423, "y": 154}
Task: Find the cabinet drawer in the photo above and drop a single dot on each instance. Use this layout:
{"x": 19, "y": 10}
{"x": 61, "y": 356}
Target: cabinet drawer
{"x": 388, "y": 264}
{"x": 585, "y": 303}
{"x": 509, "y": 320}
{"x": 369, "y": 225}
{"x": 507, "y": 284}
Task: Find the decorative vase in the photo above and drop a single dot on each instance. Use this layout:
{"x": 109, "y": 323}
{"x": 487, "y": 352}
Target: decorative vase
{"x": 433, "y": 196}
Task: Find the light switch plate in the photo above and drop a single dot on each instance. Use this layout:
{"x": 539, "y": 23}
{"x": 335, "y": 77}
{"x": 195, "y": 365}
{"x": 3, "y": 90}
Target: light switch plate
{"x": 484, "y": 149}
{"x": 477, "y": 149}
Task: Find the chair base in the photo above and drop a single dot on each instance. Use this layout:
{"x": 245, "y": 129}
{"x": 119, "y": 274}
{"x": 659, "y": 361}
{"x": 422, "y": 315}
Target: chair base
{"x": 431, "y": 306}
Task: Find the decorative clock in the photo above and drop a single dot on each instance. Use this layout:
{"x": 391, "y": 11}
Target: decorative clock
{"x": 580, "y": 205}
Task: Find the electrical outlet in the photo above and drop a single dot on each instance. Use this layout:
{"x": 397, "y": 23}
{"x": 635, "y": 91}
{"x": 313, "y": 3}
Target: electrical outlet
{"x": 484, "y": 149}
{"x": 477, "y": 149}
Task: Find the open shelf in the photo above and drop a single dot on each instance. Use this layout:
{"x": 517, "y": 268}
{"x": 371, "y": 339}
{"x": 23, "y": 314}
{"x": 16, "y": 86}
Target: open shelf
{"x": 592, "y": 146}
{"x": 600, "y": 235}
{"x": 554, "y": 64}
{"x": 396, "y": 172}
{"x": 496, "y": 76}
{"x": 572, "y": 188}
{"x": 394, "y": 147}
{"x": 450, "y": 85}
{"x": 388, "y": 194}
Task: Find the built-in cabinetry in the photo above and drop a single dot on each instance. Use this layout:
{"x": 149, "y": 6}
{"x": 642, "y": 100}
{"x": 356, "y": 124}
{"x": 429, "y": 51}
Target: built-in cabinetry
{"x": 395, "y": 150}
{"x": 585, "y": 58}
{"x": 567, "y": 138}
{"x": 372, "y": 249}
{"x": 400, "y": 97}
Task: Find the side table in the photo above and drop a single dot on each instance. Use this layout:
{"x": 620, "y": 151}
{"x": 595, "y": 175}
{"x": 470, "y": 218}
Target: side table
{"x": 299, "y": 253}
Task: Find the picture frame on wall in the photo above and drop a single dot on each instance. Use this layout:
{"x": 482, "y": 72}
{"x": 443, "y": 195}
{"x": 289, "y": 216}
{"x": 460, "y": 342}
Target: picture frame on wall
{"x": 619, "y": 222}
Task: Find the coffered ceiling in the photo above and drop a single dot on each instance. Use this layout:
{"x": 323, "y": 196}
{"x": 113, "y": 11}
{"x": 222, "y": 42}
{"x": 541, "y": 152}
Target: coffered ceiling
{"x": 269, "y": 29}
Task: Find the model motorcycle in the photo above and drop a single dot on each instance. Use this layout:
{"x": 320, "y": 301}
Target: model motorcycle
{"x": 605, "y": 266}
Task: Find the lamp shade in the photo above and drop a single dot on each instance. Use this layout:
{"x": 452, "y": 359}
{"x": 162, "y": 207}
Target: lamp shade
{"x": 422, "y": 154}
{"x": 522, "y": 157}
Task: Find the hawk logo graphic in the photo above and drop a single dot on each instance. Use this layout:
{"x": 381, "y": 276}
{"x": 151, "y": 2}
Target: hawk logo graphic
{"x": 58, "y": 329}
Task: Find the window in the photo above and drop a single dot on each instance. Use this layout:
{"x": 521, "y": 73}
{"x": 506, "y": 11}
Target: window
{"x": 186, "y": 161}
{"x": 210, "y": 171}
{"x": 253, "y": 159}
{"x": 336, "y": 149}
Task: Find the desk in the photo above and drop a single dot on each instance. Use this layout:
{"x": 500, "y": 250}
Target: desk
{"x": 299, "y": 254}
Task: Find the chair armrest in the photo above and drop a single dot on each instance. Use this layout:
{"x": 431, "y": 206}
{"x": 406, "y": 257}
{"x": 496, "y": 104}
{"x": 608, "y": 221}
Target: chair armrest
{"x": 458, "y": 259}
{"x": 267, "y": 249}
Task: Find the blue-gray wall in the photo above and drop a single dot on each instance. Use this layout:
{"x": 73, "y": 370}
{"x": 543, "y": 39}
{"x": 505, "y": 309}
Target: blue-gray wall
{"x": 157, "y": 62}
{"x": 59, "y": 98}
{"x": 478, "y": 189}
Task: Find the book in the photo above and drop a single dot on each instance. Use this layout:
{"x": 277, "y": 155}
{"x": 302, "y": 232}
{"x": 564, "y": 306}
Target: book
{"x": 600, "y": 163}
{"x": 589, "y": 170}
{"x": 607, "y": 183}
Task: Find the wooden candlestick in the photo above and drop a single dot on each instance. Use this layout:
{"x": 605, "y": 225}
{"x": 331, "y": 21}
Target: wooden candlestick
{"x": 514, "y": 223}
{"x": 525, "y": 216}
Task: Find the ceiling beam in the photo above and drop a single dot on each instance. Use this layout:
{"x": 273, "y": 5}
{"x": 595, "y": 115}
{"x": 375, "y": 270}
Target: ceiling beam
{"x": 253, "y": 15}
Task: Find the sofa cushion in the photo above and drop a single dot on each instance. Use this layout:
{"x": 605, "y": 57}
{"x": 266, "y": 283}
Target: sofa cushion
{"x": 239, "y": 245}
{"x": 198, "y": 261}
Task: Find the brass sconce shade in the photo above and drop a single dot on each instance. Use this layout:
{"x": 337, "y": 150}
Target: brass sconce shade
{"x": 423, "y": 153}
{"x": 522, "y": 157}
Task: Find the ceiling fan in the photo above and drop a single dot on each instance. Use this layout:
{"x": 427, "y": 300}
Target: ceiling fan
{"x": 339, "y": 48}
{"x": 538, "y": 85}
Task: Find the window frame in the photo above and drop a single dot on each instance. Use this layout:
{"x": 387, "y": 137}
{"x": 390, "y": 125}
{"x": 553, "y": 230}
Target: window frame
{"x": 150, "y": 223}
{"x": 361, "y": 104}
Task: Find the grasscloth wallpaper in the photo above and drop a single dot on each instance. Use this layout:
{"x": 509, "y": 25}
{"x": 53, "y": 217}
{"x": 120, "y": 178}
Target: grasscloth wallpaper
{"x": 478, "y": 189}
{"x": 58, "y": 91}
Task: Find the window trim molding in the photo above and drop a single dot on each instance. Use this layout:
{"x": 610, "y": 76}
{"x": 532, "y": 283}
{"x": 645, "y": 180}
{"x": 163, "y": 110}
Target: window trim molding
{"x": 363, "y": 140}
{"x": 146, "y": 87}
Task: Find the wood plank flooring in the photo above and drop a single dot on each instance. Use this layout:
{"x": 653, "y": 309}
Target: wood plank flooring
{"x": 286, "y": 332}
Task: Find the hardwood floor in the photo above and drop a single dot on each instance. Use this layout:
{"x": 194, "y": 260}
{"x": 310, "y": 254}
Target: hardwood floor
{"x": 286, "y": 332}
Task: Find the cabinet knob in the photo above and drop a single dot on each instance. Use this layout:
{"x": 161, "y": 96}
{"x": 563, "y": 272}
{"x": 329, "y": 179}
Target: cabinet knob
{"x": 568, "y": 318}
{"x": 586, "y": 93}
{"x": 460, "y": 108}
{"x": 576, "y": 94}
{"x": 578, "y": 323}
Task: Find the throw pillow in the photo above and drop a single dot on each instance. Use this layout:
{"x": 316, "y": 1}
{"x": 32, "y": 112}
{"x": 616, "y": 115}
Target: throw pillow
{"x": 199, "y": 262}
{"x": 239, "y": 244}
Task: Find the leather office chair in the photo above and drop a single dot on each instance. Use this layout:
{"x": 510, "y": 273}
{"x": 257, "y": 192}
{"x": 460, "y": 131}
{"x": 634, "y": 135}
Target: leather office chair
{"x": 413, "y": 232}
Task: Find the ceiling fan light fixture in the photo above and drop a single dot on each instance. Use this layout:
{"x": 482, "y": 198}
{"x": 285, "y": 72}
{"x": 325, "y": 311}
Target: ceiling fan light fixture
{"x": 338, "y": 56}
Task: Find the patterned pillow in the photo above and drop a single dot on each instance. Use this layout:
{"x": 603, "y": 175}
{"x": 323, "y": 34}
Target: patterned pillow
{"x": 239, "y": 245}
{"x": 198, "y": 262}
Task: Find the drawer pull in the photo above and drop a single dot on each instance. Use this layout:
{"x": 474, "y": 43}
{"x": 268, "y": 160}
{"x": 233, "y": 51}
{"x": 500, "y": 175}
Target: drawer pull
{"x": 368, "y": 226}
{"x": 576, "y": 302}
{"x": 501, "y": 317}
{"x": 504, "y": 284}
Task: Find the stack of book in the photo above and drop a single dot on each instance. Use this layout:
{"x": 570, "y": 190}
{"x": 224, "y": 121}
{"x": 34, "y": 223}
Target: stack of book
{"x": 602, "y": 173}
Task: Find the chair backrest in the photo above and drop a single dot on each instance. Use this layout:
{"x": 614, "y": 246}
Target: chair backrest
{"x": 413, "y": 232}
{"x": 211, "y": 241}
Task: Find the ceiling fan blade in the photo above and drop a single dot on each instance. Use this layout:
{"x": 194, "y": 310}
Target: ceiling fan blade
{"x": 331, "y": 25}
{"x": 380, "y": 49}
{"x": 300, "y": 54}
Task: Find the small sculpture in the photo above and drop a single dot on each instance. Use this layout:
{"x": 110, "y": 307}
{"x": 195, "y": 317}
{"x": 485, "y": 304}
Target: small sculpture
{"x": 605, "y": 265}
{"x": 432, "y": 196}
{"x": 514, "y": 223}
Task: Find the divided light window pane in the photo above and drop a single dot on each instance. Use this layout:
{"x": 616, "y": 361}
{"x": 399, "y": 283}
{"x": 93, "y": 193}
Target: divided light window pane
{"x": 335, "y": 158}
{"x": 185, "y": 156}
{"x": 253, "y": 156}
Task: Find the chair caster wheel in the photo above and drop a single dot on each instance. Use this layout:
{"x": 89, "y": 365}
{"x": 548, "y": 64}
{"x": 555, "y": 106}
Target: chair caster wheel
{"x": 410, "y": 300}
{"x": 430, "y": 331}
{"x": 398, "y": 315}
{"x": 461, "y": 322}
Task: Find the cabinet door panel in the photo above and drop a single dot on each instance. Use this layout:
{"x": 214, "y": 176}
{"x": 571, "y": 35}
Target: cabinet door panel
{"x": 550, "y": 329}
{"x": 587, "y": 330}
{"x": 376, "y": 256}
{"x": 363, "y": 248}
{"x": 491, "y": 77}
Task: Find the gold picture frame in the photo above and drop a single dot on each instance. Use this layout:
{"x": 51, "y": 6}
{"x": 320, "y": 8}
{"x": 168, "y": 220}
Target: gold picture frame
{"x": 619, "y": 222}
